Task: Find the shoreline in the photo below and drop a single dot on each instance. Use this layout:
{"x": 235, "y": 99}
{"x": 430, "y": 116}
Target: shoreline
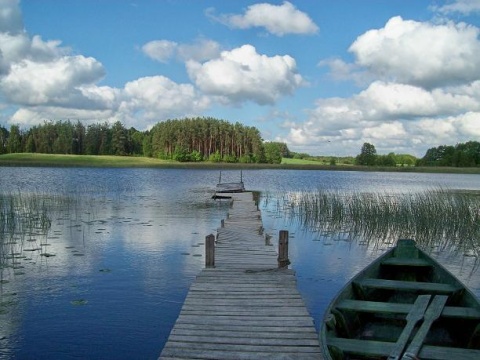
{"x": 57, "y": 160}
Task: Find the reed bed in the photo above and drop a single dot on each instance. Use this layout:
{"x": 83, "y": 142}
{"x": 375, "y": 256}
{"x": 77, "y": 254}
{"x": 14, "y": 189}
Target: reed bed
{"x": 25, "y": 220}
{"x": 436, "y": 218}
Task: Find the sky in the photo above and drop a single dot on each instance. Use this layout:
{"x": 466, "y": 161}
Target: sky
{"x": 323, "y": 76}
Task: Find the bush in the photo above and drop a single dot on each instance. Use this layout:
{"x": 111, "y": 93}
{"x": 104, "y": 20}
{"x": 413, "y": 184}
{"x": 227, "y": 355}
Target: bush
{"x": 196, "y": 156}
{"x": 246, "y": 159}
{"x": 229, "y": 159}
{"x": 215, "y": 157}
{"x": 181, "y": 155}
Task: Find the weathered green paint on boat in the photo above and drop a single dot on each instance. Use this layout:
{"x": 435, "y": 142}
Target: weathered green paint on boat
{"x": 381, "y": 312}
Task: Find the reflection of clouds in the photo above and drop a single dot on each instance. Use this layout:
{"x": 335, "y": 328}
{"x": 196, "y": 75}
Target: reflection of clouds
{"x": 140, "y": 241}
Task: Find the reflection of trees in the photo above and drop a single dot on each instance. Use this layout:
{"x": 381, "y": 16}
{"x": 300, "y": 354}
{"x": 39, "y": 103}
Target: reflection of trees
{"x": 434, "y": 218}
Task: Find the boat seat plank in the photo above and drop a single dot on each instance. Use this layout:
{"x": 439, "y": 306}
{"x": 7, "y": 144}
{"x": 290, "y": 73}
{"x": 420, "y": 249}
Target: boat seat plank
{"x": 461, "y": 312}
{"x": 374, "y": 306}
{"x": 397, "y": 308}
{"x": 380, "y": 348}
{"x": 408, "y": 285}
{"x": 395, "y": 261}
{"x": 448, "y": 353}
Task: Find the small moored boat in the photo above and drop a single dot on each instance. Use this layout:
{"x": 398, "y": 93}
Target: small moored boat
{"x": 404, "y": 305}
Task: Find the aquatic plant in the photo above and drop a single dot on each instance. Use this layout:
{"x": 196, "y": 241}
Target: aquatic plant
{"x": 436, "y": 218}
{"x": 23, "y": 217}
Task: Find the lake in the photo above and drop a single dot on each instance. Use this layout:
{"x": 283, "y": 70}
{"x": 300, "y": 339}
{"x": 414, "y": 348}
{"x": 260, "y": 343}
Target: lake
{"x": 109, "y": 277}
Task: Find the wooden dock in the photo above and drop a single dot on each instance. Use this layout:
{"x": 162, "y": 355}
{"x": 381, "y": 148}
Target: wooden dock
{"x": 245, "y": 307}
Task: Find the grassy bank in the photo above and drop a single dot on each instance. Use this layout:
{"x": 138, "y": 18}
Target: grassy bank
{"x": 55, "y": 160}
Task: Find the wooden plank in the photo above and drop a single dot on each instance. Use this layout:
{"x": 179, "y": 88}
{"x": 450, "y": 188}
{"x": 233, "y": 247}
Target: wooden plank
{"x": 409, "y": 285}
{"x": 234, "y": 329}
{"x": 374, "y": 306}
{"x": 212, "y": 354}
{"x": 245, "y": 307}
{"x": 448, "y": 353}
{"x": 394, "y": 261}
{"x": 236, "y": 340}
{"x": 200, "y": 346}
{"x": 245, "y": 321}
{"x": 218, "y": 333}
{"x": 397, "y": 308}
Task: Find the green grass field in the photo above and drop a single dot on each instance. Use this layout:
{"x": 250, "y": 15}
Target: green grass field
{"x": 55, "y": 160}
{"x": 299, "y": 162}
{"x": 27, "y": 159}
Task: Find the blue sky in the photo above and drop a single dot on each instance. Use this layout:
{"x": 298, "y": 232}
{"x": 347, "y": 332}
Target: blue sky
{"x": 322, "y": 76}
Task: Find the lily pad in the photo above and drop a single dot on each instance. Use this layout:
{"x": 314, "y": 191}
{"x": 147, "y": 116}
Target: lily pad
{"x": 79, "y": 302}
{"x": 47, "y": 254}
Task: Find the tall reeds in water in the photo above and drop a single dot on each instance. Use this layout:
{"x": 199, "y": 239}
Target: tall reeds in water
{"x": 23, "y": 217}
{"x": 435, "y": 218}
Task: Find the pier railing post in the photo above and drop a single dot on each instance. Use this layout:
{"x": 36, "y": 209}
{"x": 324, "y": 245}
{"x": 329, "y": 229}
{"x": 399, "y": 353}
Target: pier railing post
{"x": 283, "y": 249}
{"x": 210, "y": 251}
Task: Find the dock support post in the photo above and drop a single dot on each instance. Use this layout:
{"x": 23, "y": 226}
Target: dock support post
{"x": 210, "y": 251}
{"x": 283, "y": 249}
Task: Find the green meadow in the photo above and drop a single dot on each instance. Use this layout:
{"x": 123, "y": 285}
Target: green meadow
{"x": 56, "y": 160}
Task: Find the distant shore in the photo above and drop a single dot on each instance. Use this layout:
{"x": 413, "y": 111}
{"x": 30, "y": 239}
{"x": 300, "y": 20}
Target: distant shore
{"x": 55, "y": 160}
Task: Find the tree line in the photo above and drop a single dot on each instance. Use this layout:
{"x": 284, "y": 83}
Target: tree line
{"x": 201, "y": 139}
{"x": 461, "y": 155}
{"x": 368, "y": 156}
{"x": 189, "y": 139}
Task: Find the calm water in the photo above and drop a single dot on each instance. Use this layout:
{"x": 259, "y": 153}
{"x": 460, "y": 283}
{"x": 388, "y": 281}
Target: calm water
{"x": 129, "y": 244}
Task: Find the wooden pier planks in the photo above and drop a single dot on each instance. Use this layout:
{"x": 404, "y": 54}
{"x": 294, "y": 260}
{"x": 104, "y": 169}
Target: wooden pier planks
{"x": 245, "y": 307}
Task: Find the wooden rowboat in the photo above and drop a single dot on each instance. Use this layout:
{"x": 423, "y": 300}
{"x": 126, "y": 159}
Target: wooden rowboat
{"x": 403, "y": 306}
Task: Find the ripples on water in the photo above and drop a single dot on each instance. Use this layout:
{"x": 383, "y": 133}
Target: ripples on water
{"x": 125, "y": 244}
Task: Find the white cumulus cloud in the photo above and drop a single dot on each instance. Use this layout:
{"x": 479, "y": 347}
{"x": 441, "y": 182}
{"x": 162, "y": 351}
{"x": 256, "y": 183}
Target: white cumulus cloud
{"x": 11, "y": 20}
{"x": 42, "y": 79}
{"x": 50, "y": 83}
{"x": 420, "y": 53}
{"x": 155, "y": 98}
{"x": 164, "y": 50}
{"x": 276, "y": 19}
{"x": 464, "y": 7}
{"x": 394, "y": 116}
{"x": 244, "y": 75}
{"x": 160, "y": 50}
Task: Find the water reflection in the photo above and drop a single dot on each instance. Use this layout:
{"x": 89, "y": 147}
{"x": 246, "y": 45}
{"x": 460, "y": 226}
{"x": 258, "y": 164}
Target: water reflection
{"x": 107, "y": 277}
{"x": 129, "y": 242}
